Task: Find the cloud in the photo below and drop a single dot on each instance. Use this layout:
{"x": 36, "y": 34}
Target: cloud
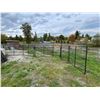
{"x": 78, "y": 20}
{"x": 91, "y": 23}
{"x": 66, "y": 16}
{"x": 55, "y": 23}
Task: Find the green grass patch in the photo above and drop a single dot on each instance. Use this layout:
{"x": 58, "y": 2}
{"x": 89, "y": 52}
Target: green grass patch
{"x": 47, "y": 70}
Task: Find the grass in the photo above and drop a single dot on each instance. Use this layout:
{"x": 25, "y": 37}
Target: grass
{"x": 46, "y": 70}
{"x": 14, "y": 75}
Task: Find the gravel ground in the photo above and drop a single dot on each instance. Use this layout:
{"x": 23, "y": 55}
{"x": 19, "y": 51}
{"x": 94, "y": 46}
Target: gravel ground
{"x": 18, "y": 55}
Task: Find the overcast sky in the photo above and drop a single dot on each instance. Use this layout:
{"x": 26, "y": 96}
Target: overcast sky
{"x": 55, "y": 23}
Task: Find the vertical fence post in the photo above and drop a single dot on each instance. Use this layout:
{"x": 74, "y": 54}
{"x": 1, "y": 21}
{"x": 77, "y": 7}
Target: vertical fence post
{"x": 43, "y": 49}
{"x": 13, "y": 50}
{"x": 28, "y": 48}
{"x": 85, "y": 67}
{"x": 46, "y": 49}
{"x": 68, "y": 53}
{"x": 61, "y": 50}
{"x": 75, "y": 57}
{"x": 53, "y": 49}
{"x": 23, "y": 49}
{"x": 34, "y": 52}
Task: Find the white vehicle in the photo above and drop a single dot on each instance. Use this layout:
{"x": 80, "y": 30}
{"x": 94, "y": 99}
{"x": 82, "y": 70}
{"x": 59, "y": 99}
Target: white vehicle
{"x": 3, "y": 50}
{"x": 3, "y": 55}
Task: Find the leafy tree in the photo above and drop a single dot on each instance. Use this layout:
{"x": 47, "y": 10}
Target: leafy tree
{"x": 61, "y": 37}
{"x": 11, "y": 38}
{"x": 35, "y": 39}
{"x": 49, "y": 37}
{"x": 16, "y": 37}
{"x": 3, "y": 38}
{"x": 88, "y": 36}
{"x": 57, "y": 39}
{"x": 41, "y": 39}
{"x": 82, "y": 36}
{"x": 71, "y": 38}
{"x": 20, "y": 38}
{"x": 45, "y": 36}
{"x": 96, "y": 40}
{"x": 53, "y": 38}
{"x": 26, "y": 28}
{"x": 77, "y": 35}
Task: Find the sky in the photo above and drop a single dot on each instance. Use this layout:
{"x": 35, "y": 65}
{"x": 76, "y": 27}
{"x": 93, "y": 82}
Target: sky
{"x": 54, "y": 23}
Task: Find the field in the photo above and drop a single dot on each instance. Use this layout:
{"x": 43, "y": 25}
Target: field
{"x": 41, "y": 69}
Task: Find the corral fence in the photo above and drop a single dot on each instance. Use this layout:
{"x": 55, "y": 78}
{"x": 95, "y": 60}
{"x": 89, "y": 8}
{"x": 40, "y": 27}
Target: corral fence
{"x": 15, "y": 51}
{"x": 81, "y": 57}
{"x": 74, "y": 54}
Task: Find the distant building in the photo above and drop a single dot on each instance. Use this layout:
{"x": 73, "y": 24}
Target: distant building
{"x": 13, "y": 43}
{"x": 83, "y": 41}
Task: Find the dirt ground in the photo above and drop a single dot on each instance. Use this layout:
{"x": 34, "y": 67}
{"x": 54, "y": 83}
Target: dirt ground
{"x": 18, "y": 55}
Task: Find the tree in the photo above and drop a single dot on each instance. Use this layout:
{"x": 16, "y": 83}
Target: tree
{"x": 96, "y": 40}
{"x": 57, "y": 39}
{"x": 82, "y": 36}
{"x": 41, "y": 39}
{"x": 88, "y": 36}
{"x": 71, "y": 38}
{"x": 45, "y": 36}
{"x": 11, "y": 38}
{"x": 61, "y": 38}
{"x": 77, "y": 35}
{"x": 52, "y": 38}
{"x": 20, "y": 38}
{"x": 16, "y": 37}
{"x": 35, "y": 39}
{"x": 26, "y": 28}
{"x": 3, "y": 38}
{"x": 49, "y": 37}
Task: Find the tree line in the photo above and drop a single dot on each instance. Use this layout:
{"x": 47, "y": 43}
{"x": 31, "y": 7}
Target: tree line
{"x": 46, "y": 37}
{"x": 29, "y": 37}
